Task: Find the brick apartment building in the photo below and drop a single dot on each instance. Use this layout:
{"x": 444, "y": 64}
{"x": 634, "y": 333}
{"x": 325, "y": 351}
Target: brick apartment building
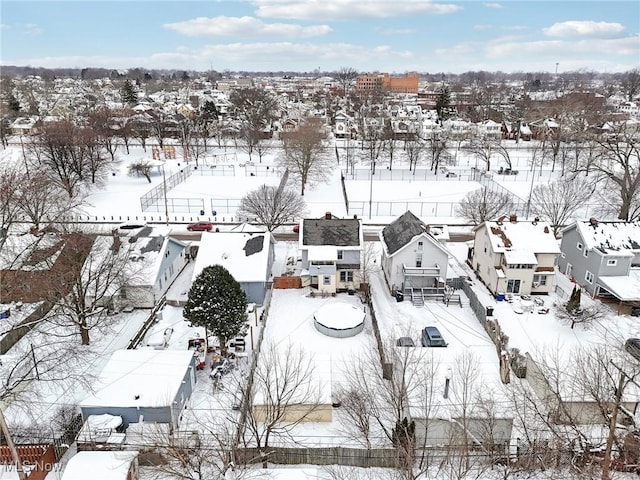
{"x": 382, "y": 82}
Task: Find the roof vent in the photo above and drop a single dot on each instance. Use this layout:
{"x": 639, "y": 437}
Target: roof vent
{"x": 513, "y": 218}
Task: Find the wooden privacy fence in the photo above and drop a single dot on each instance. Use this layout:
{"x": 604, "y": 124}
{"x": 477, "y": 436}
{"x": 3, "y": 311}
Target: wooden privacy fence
{"x": 38, "y": 460}
{"x": 287, "y": 282}
{"x": 355, "y": 457}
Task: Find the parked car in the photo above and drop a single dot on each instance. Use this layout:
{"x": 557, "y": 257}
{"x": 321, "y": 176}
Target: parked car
{"x": 450, "y": 174}
{"x": 296, "y": 228}
{"x": 132, "y": 225}
{"x": 405, "y": 342}
{"x": 632, "y": 345}
{"x": 431, "y": 337}
{"x": 200, "y": 227}
{"x": 635, "y": 312}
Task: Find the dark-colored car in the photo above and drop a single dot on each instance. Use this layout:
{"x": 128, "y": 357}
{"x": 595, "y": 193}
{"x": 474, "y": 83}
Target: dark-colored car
{"x": 405, "y": 342}
{"x": 632, "y": 345}
{"x": 200, "y": 227}
{"x": 296, "y": 228}
{"x": 431, "y": 337}
{"x": 132, "y": 225}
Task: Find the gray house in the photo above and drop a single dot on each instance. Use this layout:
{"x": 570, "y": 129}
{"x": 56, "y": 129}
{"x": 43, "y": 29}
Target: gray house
{"x": 603, "y": 258}
{"x": 248, "y": 256}
{"x": 331, "y": 249}
{"x": 412, "y": 256}
{"x": 143, "y": 385}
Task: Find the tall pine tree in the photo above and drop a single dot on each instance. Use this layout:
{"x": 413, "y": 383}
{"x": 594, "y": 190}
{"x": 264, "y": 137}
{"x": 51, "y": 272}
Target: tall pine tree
{"x": 443, "y": 103}
{"x": 217, "y": 303}
{"x": 129, "y": 94}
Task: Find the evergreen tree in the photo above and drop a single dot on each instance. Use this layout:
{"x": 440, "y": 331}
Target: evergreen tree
{"x": 217, "y": 303}
{"x": 443, "y": 103}
{"x": 209, "y": 110}
{"x": 14, "y": 103}
{"x": 129, "y": 94}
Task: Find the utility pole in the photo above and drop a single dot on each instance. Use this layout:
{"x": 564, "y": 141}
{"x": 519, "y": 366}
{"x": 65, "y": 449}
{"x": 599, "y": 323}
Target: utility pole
{"x": 12, "y": 447}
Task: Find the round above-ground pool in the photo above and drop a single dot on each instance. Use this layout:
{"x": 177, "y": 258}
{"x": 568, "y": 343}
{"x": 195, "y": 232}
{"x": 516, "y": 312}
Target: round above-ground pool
{"x": 340, "y": 320}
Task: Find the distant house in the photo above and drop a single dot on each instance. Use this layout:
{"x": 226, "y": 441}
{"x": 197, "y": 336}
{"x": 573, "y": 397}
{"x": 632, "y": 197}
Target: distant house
{"x": 144, "y": 385}
{"x": 412, "y": 257}
{"x": 248, "y": 256}
{"x": 515, "y": 257}
{"x": 603, "y": 258}
{"x": 489, "y": 129}
{"x": 331, "y": 249}
{"x": 25, "y": 126}
{"x": 116, "y": 465}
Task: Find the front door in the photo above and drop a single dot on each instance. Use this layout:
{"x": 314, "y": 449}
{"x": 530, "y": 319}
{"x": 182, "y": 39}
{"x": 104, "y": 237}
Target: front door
{"x": 567, "y": 270}
{"x": 513, "y": 286}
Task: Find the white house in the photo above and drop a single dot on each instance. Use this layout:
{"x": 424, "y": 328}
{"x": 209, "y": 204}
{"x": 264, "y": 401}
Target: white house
{"x": 248, "y": 256}
{"x": 331, "y": 249}
{"x": 515, "y": 257}
{"x": 412, "y": 257}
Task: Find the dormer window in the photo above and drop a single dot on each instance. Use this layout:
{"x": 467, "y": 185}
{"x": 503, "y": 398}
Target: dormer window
{"x": 340, "y": 254}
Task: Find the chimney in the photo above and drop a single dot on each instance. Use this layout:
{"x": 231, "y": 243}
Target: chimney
{"x": 593, "y": 221}
{"x": 327, "y": 216}
{"x": 513, "y": 218}
{"x": 427, "y": 228}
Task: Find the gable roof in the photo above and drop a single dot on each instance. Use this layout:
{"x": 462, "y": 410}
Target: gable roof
{"x": 610, "y": 238}
{"x": 400, "y": 232}
{"x": 511, "y": 237}
{"x": 245, "y": 255}
{"x": 336, "y": 232}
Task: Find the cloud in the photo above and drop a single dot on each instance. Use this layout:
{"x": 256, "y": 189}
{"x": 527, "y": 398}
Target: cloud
{"x": 263, "y": 56}
{"x": 4, "y": 26}
{"x": 31, "y": 29}
{"x": 584, "y": 29}
{"x": 243, "y": 27}
{"x": 394, "y": 31}
{"x": 483, "y": 26}
{"x": 348, "y": 9}
{"x": 493, "y": 5}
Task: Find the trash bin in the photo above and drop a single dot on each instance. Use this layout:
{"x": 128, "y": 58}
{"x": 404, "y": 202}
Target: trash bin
{"x": 201, "y": 212}
{"x": 399, "y": 296}
{"x": 500, "y": 297}
{"x": 489, "y": 311}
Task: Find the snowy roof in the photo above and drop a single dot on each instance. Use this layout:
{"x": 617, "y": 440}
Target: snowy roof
{"x": 625, "y": 288}
{"x": 534, "y": 237}
{"x": 140, "y": 378}
{"x": 610, "y": 237}
{"x": 245, "y": 255}
{"x": 102, "y": 465}
{"x": 513, "y": 257}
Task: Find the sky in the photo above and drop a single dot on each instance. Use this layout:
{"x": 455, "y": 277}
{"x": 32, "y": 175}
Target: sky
{"x": 394, "y": 36}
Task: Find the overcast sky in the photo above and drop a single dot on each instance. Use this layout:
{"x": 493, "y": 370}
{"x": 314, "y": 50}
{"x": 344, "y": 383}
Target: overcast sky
{"x": 305, "y": 35}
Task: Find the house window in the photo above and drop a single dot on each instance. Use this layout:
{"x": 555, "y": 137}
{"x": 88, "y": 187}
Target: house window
{"x": 340, "y": 254}
{"x": 579, "y": 246}
{"x": 420, "y": 245}
{"x": 346, "y": 276}
{"x": 588, "y": 277}
{"x": 612, "y": 262}
{"x": 326, "y": 280}
{"x": 539, "y": 280}
{"x": 586, "y": 253}
{"x": 418, "y": 260}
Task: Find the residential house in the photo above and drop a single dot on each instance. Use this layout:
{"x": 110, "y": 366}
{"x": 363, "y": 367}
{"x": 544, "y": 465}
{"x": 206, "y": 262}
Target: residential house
{"x": 248, "y": 256}
{"x": 412, "y": 257}
{"x": 143, "y": 385}
{"x": 331, "y": 249}
{"x": 515, "y": 257}
{"x": 604, "y": 259}
{"x": 153, "y": 263}
{"x": 25, "y": 126}
{"x": 489, "y": 129}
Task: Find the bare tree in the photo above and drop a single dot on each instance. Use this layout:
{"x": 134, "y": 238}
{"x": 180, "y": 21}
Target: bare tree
{"x": 346, "y": 76}
{"x": 256, "y": 109}
{"x": 103, "y": 123}
{"x": 484, "y": 204}
{"x": 283, "y": 393}
{"x": 619, "y": 163}
{"x": 42, "y": 201}
{"x": 272, "y": 206}
{"x": 631, "y": 83}
{"x": 414, "y": 148}
{"x": 484, "y": 148}
{"x": 87, "y": 284}
{"x": 141, "y": 167}
{"x": 11, "y": 178}
{"x": 304, "y": 154}
{"x": 557, "y": 202}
